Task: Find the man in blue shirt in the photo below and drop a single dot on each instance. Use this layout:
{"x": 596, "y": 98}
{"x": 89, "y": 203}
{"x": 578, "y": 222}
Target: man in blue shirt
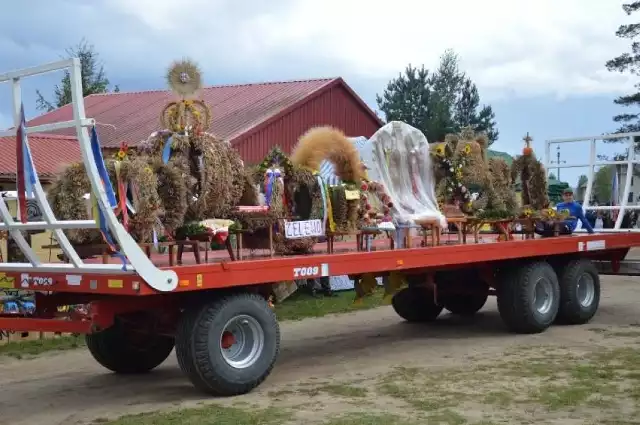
{"x": 575, "y": 211}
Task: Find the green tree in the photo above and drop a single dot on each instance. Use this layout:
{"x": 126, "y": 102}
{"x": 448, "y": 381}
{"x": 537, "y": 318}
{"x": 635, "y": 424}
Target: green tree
{"x": 466, "y": 112}
{"x": 407, "y": 97}
{"x": 446, "y": 84}
{"x": 94, "y": 79}
{"x": 601, "y": 190}
{"x": 437, "y": 103}
{"x": 628, "y": 62}
{"x": 582, "y": 181}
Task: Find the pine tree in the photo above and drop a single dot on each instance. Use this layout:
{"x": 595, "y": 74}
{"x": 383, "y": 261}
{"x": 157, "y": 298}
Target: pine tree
{"x": 406, "y": 98}
{"x": 438, "y": 103}
{"x": 466, "y": 112}
{"x": 628, "y": 62}
{"x": 446, "y": 83}
{"x": 94, "y": 79}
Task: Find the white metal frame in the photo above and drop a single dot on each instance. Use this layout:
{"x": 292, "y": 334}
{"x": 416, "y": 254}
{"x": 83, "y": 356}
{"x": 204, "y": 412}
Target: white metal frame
{"x": 161, "y": 280}
{"x": 631, "y": 160}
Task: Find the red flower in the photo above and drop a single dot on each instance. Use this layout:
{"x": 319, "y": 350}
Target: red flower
{"x": 364, "y": 186}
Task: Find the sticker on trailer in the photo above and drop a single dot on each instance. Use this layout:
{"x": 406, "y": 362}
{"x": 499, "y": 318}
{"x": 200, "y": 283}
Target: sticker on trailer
{"x": 73, "y": 280}
{"x": 7, "y": 282}
{"x": 308, "y": 272}
{"x": 596, "y": 245}
{"x": 303, "y": 229}
{"x": 115, "y": 284}
{"x": 26, "y": 280}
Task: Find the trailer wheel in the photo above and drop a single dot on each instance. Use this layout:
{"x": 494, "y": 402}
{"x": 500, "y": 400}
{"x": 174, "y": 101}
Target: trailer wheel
{"x": 125, "y": 352}
{"x": 415, "y": 304}
{"x": 529, "y": 297}
{"x": 228, "y": 346}
{"x": 579, "y": 292}
{"x": 465, "y": 304}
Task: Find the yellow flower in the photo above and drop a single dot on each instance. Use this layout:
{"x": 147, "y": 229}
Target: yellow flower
{"x": 148, "y": 170}
{"x": 121, "y": 155}
{"x": 440, "y": 149}
{"x": 467, "y": 149}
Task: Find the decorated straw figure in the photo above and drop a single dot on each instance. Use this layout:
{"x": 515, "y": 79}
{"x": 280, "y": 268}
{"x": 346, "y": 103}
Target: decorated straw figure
{"x": 532, "y": 176}
{"x": 135, "y": 186}
{"x": 199, "y": 168}
{"x": 342, "y": 201}
{"x": 467, "y": 178}
{"x": 375, "y": 203}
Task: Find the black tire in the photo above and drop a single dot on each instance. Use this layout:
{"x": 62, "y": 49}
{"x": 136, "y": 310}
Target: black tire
{"x": 126, "y": 352}
{"x": 415, "y": 304}
{"x": 578, "y": 305}
{"x": 516, "y": 297}
{"x": 198, "y": 344}
{"x": 465, "y": 304}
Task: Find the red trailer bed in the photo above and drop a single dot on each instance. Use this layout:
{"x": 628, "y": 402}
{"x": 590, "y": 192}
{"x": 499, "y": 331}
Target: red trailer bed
{"x": 225, "y": 274}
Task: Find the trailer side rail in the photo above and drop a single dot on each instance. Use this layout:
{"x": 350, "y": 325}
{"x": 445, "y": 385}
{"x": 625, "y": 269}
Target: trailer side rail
{"x": 136, "y": 261}
{"x": 630, "y": 162}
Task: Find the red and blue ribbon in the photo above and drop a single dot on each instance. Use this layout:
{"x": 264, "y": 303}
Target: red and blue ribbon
{"x": 26, "y": 176}
{"x": 98, "y": 214}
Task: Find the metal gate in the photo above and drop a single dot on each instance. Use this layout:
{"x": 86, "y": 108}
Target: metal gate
{"x": 628, "y": 163}
{"x": 135, "y": 260}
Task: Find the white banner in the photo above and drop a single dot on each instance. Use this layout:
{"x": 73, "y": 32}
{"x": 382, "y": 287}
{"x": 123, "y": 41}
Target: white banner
{"x": 303, "y": 229}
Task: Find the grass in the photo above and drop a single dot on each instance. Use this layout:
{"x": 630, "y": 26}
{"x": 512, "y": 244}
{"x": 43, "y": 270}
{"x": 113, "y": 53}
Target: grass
{"x": 523, "y": 387}
{"x": 297, "y": 307}
{"x": 209, "y": 415}
{"x": 301, "y": 306}
{"x": 32, "y": 348}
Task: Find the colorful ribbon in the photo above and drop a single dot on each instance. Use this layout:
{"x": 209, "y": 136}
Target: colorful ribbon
{"x": 98, "y": 214}
{"x": 122, "y": 196}
{"x": 26, "y": 176}
{"x": 323, "y": 193}
{"x": 166, "y": 150}
{"x": 268, "y": 186}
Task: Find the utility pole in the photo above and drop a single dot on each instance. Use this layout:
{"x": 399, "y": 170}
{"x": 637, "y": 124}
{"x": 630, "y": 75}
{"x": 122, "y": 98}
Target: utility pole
{"x": 558, "y": 161}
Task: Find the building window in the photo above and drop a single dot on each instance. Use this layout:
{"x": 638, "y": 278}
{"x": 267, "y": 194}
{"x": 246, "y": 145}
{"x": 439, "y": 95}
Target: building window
{"x": 630, "y": 198}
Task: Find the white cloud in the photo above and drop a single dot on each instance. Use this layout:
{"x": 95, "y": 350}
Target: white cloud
{"x": 508, "y": 48}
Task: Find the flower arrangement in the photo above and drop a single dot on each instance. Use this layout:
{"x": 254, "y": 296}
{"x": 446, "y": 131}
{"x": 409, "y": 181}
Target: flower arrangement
{"x": 380, "y": 212}
{"x": 123, "y": 152}
{"x": 456, "y": 192}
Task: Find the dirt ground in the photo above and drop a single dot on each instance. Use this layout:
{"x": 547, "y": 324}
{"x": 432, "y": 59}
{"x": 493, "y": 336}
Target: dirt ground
{"x": 372, "y": 365}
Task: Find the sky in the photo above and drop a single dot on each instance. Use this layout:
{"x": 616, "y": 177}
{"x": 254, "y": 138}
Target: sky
{"x": 541, "y": 65}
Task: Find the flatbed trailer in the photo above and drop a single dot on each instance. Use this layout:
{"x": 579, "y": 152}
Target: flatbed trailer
{"x": 218, "y": 317}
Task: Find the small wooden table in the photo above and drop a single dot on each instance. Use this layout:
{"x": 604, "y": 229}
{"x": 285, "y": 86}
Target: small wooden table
{"x": 433, "y": 227}
{"x": 460, "y": 222}
{"x": 503, "y": 226}
{"x": 365, "y": 232}
{"x": 239, "y": 234}
{"x": 331, "y": 238}
{"x": 105, "y": 250}
{"x": 528, "y": 226}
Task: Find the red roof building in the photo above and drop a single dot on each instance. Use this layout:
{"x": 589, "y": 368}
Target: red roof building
{"x": 51, "y": 154}
{"x": 253, "y": 117}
